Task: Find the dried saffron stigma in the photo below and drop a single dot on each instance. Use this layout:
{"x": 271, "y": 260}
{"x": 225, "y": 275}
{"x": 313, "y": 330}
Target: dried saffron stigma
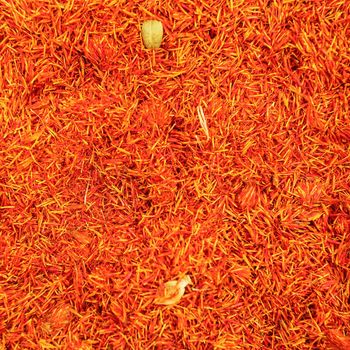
{"x": 173, "y": 291}
{"x": 152, "y": 34}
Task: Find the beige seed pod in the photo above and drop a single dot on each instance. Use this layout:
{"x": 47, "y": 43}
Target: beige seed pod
{"x": 173, "y": 291}
{"x": 152, "y": 34}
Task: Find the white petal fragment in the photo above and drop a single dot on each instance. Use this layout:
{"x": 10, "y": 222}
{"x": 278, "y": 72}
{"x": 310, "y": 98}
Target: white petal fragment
{"x": 203, "y": 121}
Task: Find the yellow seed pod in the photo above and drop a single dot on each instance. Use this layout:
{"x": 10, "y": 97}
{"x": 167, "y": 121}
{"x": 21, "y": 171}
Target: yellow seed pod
{"x": 152, "y": 34}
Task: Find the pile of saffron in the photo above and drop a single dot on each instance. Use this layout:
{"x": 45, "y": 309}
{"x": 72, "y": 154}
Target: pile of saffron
{"x": 192, "y": 196}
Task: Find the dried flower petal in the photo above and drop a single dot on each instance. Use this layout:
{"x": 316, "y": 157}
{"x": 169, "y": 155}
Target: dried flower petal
{"x": 203, "y": 121}
{"x": 227, "y": 153}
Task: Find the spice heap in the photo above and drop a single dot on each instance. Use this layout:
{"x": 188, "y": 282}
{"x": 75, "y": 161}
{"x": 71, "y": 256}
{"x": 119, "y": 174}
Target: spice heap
{"x": 223, "y": 155}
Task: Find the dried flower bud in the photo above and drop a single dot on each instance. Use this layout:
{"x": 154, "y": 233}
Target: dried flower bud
{"x": 152, "y": 34}
{"x": 173, "y": 291}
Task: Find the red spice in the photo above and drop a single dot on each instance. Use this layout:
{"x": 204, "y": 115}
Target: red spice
{"x": 224, "y": 155}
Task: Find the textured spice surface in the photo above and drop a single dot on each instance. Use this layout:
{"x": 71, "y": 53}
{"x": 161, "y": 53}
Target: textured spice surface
{"x": 223, "y": 155}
